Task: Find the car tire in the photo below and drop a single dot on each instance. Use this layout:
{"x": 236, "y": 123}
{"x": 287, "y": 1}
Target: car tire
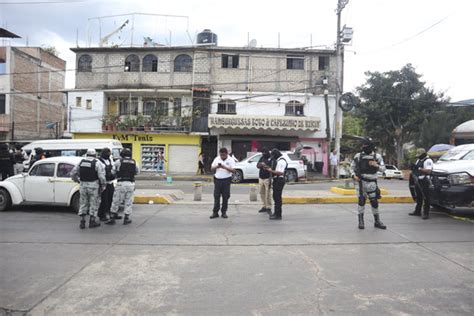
{"x": 76, "y": 202}
{"x": 291, "y": 176}
{"x": 5, "y": 200}
{"x": 238, "y": 176}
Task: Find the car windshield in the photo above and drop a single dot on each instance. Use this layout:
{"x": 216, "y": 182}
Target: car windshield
{"x": 457, "y": 155}
{"x": 293, "y": 157}
{"x": 389, "y": 167}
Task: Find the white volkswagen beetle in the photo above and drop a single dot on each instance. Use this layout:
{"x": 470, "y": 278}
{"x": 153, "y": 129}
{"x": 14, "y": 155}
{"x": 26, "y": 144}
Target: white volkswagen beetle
{"x": 47, "y": 183}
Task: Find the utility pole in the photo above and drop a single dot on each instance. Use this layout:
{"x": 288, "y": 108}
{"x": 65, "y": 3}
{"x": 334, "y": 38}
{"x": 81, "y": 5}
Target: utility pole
{"x": 339, "y": 80}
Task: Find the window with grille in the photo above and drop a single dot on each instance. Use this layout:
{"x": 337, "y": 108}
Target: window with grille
{"x": 84, "y": 63}
{"x": 150, "y": 63}
{"x": 294, "y": 62}
{"x": 132, "y": 63}
{"x": 149, "y": 107}
{"x": 78, "y": 102}
{"x": 2, "y": 104}
{"x": 230, "y": 61}
{"x": 88, "y": 104}
{"x": 128, "y": 106}
{"x": 177, "y": 107}
{"x": 162, "y": 107}
{"x": 183, "y": 63}
{"x": 294, "y": 108}
{"x": 226, "y": 107}
{"x": 323, "y": 63}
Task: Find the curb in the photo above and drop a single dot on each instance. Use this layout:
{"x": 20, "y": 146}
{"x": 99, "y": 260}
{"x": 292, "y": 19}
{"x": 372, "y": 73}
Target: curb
{"x": 352, "y": 191}
{"x": 159, "y": 199}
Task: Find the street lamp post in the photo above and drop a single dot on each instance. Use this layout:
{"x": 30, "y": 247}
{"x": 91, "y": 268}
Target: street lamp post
{"x": 339, "y": 80}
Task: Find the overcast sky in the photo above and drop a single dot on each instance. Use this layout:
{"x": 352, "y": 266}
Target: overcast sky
{"x": 433, "y": 35}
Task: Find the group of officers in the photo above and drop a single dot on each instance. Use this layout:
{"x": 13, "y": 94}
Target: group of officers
{"x": 98, "y": 197}
{"x": 364, "y": 168}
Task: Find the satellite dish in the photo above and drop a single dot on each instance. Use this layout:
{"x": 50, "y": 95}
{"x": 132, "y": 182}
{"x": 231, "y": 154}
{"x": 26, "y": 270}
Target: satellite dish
{"x": 253, "y": 43}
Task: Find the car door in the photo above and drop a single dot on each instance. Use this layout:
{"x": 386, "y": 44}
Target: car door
{"x": 63, "y": 184}
{"x": 39, "y": 184}
{"x": 251, "y": 170}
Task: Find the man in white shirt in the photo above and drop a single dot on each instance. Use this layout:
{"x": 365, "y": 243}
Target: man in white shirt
{"x": 223, "y": 165}
{"x": 333, "y": 162}
{"x": 422, "y": 171}
{"x": 279, "y": 165}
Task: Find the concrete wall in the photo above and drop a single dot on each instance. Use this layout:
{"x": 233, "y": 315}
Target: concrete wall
{"x": 83, "y": 120}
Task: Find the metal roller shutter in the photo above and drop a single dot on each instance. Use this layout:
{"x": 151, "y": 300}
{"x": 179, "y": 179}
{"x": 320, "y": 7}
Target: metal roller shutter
{"x": 183, "y": 158}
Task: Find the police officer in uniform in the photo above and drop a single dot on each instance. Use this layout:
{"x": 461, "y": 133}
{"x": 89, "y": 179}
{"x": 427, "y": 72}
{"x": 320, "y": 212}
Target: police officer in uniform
{"x": 421, "y": 171}
{"x": 126, "y": 169}
{"x": 6, "y": 162}
{"x": 19, "y": 156}
{"x": 364, "y": 170}
{"x": 223, "y": 166}
{"x": 90, "y": 174}
{"x": 265, "y": 181}
{"x": 107, "y": 195}
{"x": 278, "y": 169}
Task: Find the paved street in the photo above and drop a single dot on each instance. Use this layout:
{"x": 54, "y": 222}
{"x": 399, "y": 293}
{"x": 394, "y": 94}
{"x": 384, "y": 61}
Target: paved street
{"x": 174, "y": 260}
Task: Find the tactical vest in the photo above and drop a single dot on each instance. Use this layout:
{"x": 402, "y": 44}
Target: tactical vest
{"x": 18, "y": 157}
{"x": 87, "y": 171}
{"x": 364, "y": 167}
{"x": 127, "y": 170}
{"x": 108, "y": 169}
{"x": 276, "y": 164}
{"x": 419, "y": 164}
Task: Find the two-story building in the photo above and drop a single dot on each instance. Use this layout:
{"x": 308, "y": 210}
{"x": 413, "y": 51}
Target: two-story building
{"x": 32, "y": 104}
{"x": 184, "y": 100}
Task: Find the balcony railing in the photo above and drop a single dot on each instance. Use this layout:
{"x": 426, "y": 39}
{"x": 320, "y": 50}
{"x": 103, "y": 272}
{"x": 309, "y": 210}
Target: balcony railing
{"x": 139, "y": 123}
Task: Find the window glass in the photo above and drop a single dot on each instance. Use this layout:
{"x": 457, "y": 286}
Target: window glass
{"x": 132, "y": 63}
{"x": 183, "y": 63}
{"x": 43, "y": 170}
{"x": 150, "y": 63}
{"x": 294, "y": 62}
{"x": 388, "y": 167}
{"x": 256, "y": 158}
{"x": 84, "y": 63}
{"x": 469, "y": 156}
{"x": 64, "y": 170}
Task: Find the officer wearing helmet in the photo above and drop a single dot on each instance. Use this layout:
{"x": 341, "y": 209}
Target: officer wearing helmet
{"x": 364, "y": 170}
{"x": 126, "y": 169}
{"x": 421, "y": 171}
{"x": 90, "y": 174}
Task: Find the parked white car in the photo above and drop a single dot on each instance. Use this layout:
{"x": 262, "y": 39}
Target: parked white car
{"x": 247, "y": 168}
{"x": 392, "y": 172}
{"x": 47, "y": 183}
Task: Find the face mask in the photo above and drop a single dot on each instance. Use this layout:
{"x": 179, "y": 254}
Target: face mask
{"x": 367, "y": 150}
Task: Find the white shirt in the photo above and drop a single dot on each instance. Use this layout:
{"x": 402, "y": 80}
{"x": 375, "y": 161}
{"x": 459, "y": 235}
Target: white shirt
{"x": 427, "y": 164}
{"x": 220, "y": 172}
{"x": 281, "y": 166}
{"x": 333, "y": 159}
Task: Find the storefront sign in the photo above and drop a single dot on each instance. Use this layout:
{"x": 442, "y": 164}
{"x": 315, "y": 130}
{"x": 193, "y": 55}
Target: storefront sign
{"x": 132, "y": 138}
{"x": 264, "y": 122}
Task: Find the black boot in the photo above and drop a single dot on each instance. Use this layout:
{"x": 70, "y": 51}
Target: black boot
{"x": 224, "y": 215}
{"x": 415, "y": 213}
{"x": 93, "y": 223}
{"x": 378, "y": 223}
{"x": 426, "y": 214}
{"x": 111, "y": 220}
{"x": 83, "y": 222}
{"x": 214, "y": 215}
{"x": 126, "y": 220}
{"x": 361, "y": 221}
{"x": 263, "y": 210}
{"x": 115, "y": 216}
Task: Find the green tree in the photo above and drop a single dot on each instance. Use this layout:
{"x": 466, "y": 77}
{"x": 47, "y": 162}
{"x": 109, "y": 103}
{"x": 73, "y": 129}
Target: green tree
{"x": 52, "y": 50}
{"x": 394, "y": 107}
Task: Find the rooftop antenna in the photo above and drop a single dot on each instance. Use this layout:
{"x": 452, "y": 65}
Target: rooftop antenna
{"x": 104, "y": 40}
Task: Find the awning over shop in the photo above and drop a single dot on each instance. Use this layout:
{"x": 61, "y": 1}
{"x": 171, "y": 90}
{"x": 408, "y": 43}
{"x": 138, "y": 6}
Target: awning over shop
{"x": 297, "y": 123}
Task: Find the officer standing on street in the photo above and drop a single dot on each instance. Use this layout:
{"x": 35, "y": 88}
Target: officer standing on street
{"x": 224, "y": 166}
{"x": 6, "y": 162}
{"x": 278, "y": 169}
{"x": 19, "y": 156}
{"x": 107, "y": 195}
{"x": 421, "y": 171}
{"x": 265, "y": 181}
{"x": 364, "y": 170}
{"x": 126, "y": 169}
{"x": 91, "y": 175}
